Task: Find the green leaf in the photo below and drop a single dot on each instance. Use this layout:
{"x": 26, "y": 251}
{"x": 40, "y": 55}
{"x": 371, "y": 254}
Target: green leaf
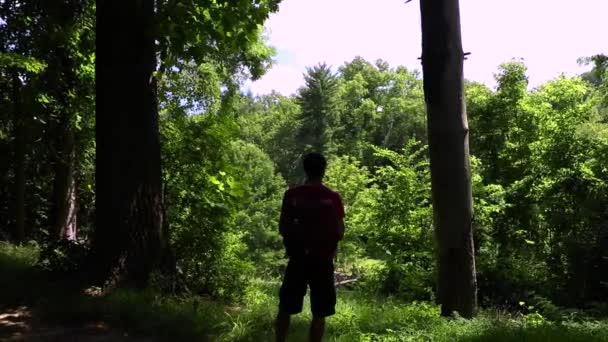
{"x": 206, "y": 14}
{"x": 78, "y": 121}
{"x": 216, "y": 182}
{"x": 43, "y": 99}
{"x": 29, "y": 64}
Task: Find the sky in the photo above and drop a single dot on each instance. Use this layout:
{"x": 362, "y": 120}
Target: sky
{"x": 548, "y": 34}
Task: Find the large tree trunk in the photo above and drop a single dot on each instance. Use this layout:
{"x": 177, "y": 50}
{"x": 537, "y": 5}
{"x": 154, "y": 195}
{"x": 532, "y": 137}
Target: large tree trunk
{"x": 442, "y": 59}
{"x": 129, "y": 239}
{"x": 19, "y": 161}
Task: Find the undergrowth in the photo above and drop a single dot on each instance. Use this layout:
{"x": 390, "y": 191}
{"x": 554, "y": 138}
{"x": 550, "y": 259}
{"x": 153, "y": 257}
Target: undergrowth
{"x": 359, "y": 317}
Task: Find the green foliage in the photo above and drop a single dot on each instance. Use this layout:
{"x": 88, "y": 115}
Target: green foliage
{"x": 216, "y": 30}
{"x": 402, "y": 221}
{"x": 206, "y": 50}
{"x": 346, "y": 175}
{"x": 221, "y": 36}
{"x": 13, "y": 61}
{"x": 355, "y": 184}
{"x": 373, "y": 275}
{"x": 388, "y": 219}
{"x": 257, "y": 213}
{"x": 193, "y": 89}
{"x": 48, "y": 54}
{"x": 17, "y": 258}
{"x": 201, "y": 196}
{"x": 270, "y": 122}
{"x": 544, "y": 225}
{"x": 378, "y": 105}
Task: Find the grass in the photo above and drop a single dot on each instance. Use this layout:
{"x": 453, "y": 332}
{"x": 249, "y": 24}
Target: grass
{"x": 381, "y": 319}
{"x": 358, "y": 317}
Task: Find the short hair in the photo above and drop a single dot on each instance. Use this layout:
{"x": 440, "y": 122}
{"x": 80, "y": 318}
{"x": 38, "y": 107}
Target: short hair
{"x": 314, "y": 165}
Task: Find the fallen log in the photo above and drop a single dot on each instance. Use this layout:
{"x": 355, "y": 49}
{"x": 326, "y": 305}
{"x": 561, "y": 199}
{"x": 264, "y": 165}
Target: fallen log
{"x": 345, "y": 282}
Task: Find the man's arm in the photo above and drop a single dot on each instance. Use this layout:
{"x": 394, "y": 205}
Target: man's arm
{"x": 284, "y": 219}
{"x": 340, "y": 212}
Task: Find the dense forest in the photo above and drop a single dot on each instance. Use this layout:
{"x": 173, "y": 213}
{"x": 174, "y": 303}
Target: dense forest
{"x": 193, "y": 208}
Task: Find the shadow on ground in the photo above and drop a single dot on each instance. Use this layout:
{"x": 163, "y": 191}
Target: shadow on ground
{"x": 23, "y": 324}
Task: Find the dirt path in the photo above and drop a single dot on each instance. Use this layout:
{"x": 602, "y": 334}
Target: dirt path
{"x": 23, "y": 324}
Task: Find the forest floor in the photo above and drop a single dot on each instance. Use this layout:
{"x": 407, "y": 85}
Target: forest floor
{"x": 25, "y": 324}
{"x": 34, "y": 308}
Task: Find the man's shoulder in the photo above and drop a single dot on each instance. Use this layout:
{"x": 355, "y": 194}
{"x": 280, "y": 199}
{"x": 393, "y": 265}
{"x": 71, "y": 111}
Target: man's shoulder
{"x": 306, "y": 188}
{"x": 331, "y": 191}
{"x": 293, "y": 189}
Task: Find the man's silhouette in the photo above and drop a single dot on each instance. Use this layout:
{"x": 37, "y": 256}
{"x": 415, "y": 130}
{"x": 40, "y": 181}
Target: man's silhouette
{"x": 311, "y": 223}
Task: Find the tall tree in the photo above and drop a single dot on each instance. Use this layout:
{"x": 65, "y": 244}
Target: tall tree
{"x": 317, "y": 100}
{"x": 442, "y": 61}
{"x": 67, "y": 50}
{"x": 598, "y": 76}
{"x": 129, "y": 239}
{"x": 600, "y": 65}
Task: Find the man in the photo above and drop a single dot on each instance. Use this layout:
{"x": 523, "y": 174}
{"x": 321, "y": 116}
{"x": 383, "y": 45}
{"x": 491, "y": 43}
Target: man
{"x": 311, "y": 223}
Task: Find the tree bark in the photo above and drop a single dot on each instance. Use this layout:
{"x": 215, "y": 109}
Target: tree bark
{"x": 129, "y": 239}
{"x": 64, "y": 208}
{"x": 62, "y": 80}
{"x": 19, "y": 161}
{"x": 442, "y": 59}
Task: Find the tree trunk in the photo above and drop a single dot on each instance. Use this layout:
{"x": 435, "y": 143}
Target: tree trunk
{"x": 61, "y": 81}
{"x": 442, "y": 59}
{"x": 64, "y": 208}
{"x": 19, "y": 161}
{"x": 129, "y": 239}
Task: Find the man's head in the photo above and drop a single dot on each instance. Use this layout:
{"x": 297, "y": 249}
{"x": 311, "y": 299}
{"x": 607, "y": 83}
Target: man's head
{"x": 314, "y": 165}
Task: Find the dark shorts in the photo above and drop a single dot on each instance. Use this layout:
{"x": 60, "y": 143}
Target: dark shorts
{"x": 300, "y": 274}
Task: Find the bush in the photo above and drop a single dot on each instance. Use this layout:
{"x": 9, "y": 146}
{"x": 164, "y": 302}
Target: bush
{"x": 257, "y": 210}
{"x": 201, "y": 197}
{"x": 63, "y": 257}
{"x": 372, "y": 275}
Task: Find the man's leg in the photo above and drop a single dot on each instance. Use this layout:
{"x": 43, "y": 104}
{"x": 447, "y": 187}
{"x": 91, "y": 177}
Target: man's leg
{"x": 282, "y": 326}
{"x": 322, "y": 298}
{"x": 317, "y": 328}
{"x": 291, "y": 297}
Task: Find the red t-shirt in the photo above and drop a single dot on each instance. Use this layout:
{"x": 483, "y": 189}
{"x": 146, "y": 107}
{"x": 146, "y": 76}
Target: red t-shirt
{"x": 299, "y": 196}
